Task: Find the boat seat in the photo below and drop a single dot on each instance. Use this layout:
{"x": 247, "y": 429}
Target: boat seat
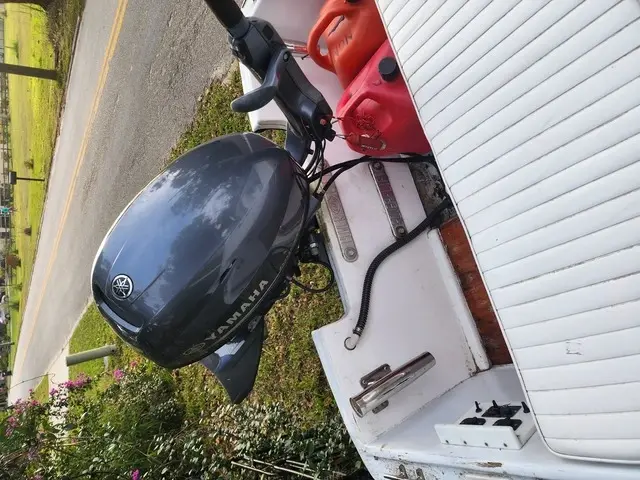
{"x": 533, "y": 113}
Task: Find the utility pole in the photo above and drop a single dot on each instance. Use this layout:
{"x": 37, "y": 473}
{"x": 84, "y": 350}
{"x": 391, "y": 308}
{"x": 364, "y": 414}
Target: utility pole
{"x": 94, "y": 354}
{"x": 29, "y": 71}
{"x": 13, "y": 178}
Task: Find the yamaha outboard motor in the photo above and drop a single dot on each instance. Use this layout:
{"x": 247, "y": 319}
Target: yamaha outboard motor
{"x": 201, "y": 254}
{"x": 191, "y": 266}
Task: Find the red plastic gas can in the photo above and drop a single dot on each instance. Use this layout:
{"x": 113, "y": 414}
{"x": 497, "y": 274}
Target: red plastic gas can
{"x": 352, "y": 30}
{"x": 376, "y": 111}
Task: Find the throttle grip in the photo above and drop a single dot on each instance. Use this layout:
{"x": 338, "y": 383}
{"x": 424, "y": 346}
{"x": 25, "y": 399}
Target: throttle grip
{"x": 230, "y": 16}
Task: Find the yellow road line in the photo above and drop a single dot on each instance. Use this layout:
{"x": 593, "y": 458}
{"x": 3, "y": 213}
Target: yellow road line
{"x": 102, "y": 80}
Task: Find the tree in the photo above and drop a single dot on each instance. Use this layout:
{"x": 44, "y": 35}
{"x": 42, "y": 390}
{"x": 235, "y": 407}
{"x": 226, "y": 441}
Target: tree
{"x": 28, "y": 71}
{"x": 12, "y": 261}
{"x": 41, "y": 3}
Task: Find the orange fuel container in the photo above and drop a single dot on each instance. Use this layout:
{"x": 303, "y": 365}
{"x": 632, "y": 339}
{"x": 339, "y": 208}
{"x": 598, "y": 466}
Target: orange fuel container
{"x": 352, "y": 30}
{"x": 376, "y": 111}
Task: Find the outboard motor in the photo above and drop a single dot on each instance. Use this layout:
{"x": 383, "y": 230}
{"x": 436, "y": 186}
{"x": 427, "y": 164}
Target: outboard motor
{"x": 190, "y": 268}
{"x": 192, "y": 265}
{"x": 201, "y": 254}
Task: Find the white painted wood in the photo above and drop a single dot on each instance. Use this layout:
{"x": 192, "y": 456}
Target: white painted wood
{"x": 579, "y": 56}
{"x": 406, "y": 20}
{"x": 609, "y": 318}
{"x": 532, "y": 40}
{"x": 439, "y": 40}
{"x": 615, "y": 449}
{"x": 561, "y": 230}
{"x": 548, "y": 129}
{"x": 622, "y": 397}
{"x": 406, "y": 12}
{"x": 597, "y": 244}
{"x": 430, "y": 28}
{"x": 590, "y": 272}
{"x": 620, "y": 343}
{"x": 618, "y": 290}
{"x": 426, "y": 86}
{"x": 610, "y": 371}
{"x": 533, "y": 111}
{"x": 548, "y": 175}
{"x": 451, "y": 51}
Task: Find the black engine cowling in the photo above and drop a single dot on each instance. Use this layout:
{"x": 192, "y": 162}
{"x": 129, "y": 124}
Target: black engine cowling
{"x": 198, "y": 257}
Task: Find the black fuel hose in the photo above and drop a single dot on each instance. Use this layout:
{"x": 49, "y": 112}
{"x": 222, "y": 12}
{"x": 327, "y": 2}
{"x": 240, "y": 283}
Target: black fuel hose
{"x": 351, "y": 342}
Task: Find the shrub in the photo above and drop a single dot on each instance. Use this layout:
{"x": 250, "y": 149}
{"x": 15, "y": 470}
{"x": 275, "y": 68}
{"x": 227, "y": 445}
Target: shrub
{"x": 12, "y": 261}
{"x": 270, "y": 433}
{"x": 133, "y": 425}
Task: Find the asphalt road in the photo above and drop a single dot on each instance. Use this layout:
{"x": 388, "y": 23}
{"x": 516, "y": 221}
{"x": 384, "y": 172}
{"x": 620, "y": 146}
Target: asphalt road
{"x": 117, "y": 131}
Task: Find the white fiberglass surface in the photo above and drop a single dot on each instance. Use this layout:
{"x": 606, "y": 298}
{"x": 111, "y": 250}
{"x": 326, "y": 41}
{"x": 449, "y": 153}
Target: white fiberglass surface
{"x": 533, "y": 112}
{"x": 416, "y": 305}
{"x": 416, "y": 445}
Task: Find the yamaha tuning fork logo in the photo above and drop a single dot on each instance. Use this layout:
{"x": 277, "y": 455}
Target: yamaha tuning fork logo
{"x": 122, "y": 287}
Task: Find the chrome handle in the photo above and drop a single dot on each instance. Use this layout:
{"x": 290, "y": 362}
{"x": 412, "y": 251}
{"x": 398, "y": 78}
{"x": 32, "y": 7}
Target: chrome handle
{"x": 379, "y": 392}
{"x": 298, "y": 49}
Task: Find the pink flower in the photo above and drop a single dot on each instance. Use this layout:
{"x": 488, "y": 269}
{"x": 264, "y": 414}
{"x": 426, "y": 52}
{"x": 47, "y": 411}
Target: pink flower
{"x": 37, "y": 477}
{"x": 53, "y": 391}
{"x": 118, "y": 375}
{"x": 133, "y": 364}
{"x": 135, "y": 475}
{"x": 13, "y": 421}
{"x": 32, "y": 454}
{"x": 80, "y": 382}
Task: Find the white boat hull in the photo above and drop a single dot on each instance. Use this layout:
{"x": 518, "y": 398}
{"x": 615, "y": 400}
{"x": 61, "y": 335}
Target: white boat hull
{"x": 531, "y": 109}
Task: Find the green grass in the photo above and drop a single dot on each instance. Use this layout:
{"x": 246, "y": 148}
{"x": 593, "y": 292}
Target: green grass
{"x": 215, "y": 118}
{"x": 62, "y": 17}
{"x": 41, "y": 392}
{"x": 91, "y": 332}
{"x": 34, "y": 106}
{"x": 290, "y": 371}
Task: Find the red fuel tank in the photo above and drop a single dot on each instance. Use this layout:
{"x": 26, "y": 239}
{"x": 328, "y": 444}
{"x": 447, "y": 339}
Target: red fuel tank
{"x": 352, "y": 30}
{"x": 376, "y": 111}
